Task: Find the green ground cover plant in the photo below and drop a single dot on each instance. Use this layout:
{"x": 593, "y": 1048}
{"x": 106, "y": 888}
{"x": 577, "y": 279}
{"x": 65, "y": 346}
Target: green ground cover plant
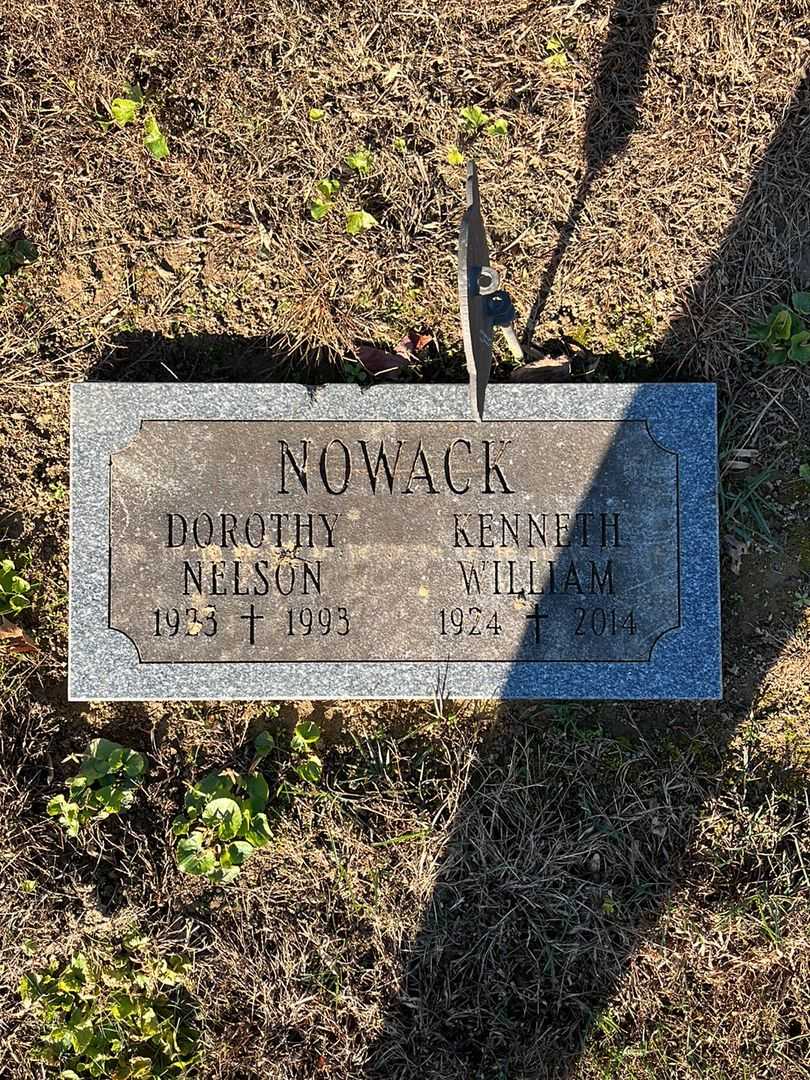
{"x": 106, "y": 783}
{"x": 305, "y": 762}
{"x": 224, "y": 821}
{"x": 225, "y": 814}
{"x": 15, "y": 590}
{"x": 784, "y": 337}
{"x": 118, "y": 1015}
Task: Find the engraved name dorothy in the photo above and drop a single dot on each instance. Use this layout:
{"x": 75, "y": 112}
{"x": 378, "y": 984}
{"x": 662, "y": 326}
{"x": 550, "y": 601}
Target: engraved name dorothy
{"x": 286, "y": 572}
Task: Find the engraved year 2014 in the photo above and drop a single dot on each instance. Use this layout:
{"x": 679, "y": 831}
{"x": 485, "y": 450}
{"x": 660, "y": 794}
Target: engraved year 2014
{"x": 601, "y": 621}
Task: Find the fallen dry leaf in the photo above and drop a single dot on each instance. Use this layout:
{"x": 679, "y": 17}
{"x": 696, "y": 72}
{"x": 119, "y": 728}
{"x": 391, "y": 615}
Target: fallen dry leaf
{"x": 413, "y": 343}
{"x": 14, "y": 639}
{"x": 378, "y": 361}
{"x": 735, "y": 549}
{"x": 544, "y": 369}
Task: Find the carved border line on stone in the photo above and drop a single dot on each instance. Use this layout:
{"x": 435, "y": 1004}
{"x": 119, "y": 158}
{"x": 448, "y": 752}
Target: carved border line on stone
{"x": 446, "y": 661}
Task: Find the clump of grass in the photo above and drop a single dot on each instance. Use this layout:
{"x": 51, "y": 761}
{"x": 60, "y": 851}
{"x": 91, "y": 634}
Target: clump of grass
{"x": 105, "y": 784}
{"x": 120, "y": 1014}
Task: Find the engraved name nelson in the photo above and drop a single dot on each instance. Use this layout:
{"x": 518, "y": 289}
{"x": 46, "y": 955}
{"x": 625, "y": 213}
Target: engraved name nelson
{"x": 422, "y": 543}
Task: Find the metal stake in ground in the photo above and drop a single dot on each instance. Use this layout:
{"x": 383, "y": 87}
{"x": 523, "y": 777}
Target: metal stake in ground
{"x": 483, "y": 305}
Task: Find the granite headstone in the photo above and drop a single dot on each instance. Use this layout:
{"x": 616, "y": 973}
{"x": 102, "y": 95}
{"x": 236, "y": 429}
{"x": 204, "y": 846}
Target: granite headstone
{"x": 268, "y": 541}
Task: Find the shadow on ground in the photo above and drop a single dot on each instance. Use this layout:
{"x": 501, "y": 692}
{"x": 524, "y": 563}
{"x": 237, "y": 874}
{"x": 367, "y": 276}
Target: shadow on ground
{"x": 145, "y": 356}
{"x": 550, "y": 880}
{"x": 612, "y": 118}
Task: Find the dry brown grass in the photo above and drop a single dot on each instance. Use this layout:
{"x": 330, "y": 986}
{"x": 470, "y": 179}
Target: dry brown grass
{"x": 217, "y": 241}
{"x": 588, "y": 892}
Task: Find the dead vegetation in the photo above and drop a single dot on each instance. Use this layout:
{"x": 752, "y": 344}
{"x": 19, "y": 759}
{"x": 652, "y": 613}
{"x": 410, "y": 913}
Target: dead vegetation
{"x": 571, "y": 891}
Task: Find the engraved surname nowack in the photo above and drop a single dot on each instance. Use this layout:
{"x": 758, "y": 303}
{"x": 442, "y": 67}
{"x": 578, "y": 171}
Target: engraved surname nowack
{"x": 367, "y": 541}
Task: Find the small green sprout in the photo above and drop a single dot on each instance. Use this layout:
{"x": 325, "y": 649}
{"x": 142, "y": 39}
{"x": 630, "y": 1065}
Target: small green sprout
{"x": 105, "y": 784}
{"x": 784, "y": 335}
{"x": 473, "y": 120}
{"x": 399, "y": 144}
{"x": 358, "y": 221}
{"x": 153, "y": 138}
{"x": 316, "y": 115}
{"x": 498, "y": 127}
{"x": 124, "y": 109}
{"x": 14, "y": 588}
{"x": 804, "y": 473}
{"x": 360, "y": 161}
{"x": 324, "y": 199}
{"x": 15, "y": 254}
{"x": 307, "y": 765}
{"x": 455, "y": 156}
{"x": 557, "y": 58}
{"x": 124, "y": 1013}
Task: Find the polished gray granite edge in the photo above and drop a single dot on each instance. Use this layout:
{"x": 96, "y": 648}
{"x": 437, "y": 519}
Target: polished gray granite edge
{"x": 107, "y": 416}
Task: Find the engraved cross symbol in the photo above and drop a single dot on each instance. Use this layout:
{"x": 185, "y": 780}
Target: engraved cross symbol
{"x": 537, "y": 615}
{"x": 253, "y": 617}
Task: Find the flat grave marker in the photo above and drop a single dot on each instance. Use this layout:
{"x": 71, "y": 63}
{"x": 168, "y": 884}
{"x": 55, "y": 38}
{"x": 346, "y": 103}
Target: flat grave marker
{"x": 274, "y": 541}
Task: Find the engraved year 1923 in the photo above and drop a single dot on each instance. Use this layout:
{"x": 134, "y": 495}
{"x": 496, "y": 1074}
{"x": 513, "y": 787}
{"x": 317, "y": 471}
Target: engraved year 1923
{"x": 170, "y": 622}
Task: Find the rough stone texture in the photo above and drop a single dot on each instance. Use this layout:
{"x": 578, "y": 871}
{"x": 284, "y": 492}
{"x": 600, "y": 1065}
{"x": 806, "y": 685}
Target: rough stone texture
{"x": 613, "y": 593}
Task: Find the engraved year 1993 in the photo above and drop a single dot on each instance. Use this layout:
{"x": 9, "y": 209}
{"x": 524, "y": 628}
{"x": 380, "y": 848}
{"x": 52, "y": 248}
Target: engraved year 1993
{"x": 304, "y": 621}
